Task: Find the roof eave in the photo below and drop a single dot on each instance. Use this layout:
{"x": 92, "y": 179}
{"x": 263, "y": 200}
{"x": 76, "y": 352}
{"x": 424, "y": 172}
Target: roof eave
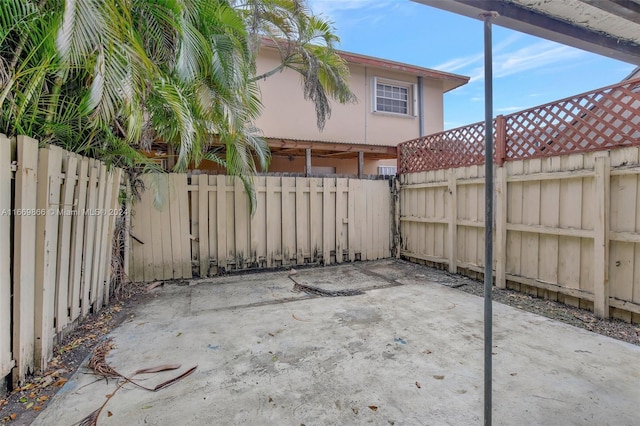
{"x": 526, "y": 20}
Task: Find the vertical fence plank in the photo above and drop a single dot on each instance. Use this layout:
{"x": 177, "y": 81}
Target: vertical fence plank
{"x": 97, "y": 285}
{"x": 514, "y": 215}
{"x": 112, "y": 215}
{"x": 90, "y": 226}
{"x": 362, "y": 220}
{"x": 501, "y": 226}
{"x": 287, "y": 208}
{"x": 64, "y": 214}
{"x": 23, "y": 252}
{"x": 6, "y": 358}
{"x": 549, "y": 216}
{"x": 182, "y": 200}
{"x": 341, "y": 216}
{"x": 128, "y": 254}
{"x": 221, "y": 195}
{"x": 601, "y": 243}
{"x": 203, "y": 224}
{"x": 255, "y": 230}
{"x": 351, "y": 217}
{"x": 315, "y": 225}
{"x": 452, "y": 226}
{"x": 214, "y": 255}
{"x": 379, "y": 208}
{"x": 49, "y": 163}
{"x": 194, "y": 221}
{"x": 242, "y": 215}
{"x": 231, "y": 226}
{"x": 326, "y": 218}
{"x": 174, "y": 230}
{"x": 157, "y": 197}
{"x": 569, "y": 248}
{"x": 78, "y": 237}
{"x": 272, "y": 228}
{"x": 144, "y": 214}
{"x": 301, "y": 221}
{"x": 531, "y": 216}
{"x": 105, "y": 245}
{"x": 164, "y": 231}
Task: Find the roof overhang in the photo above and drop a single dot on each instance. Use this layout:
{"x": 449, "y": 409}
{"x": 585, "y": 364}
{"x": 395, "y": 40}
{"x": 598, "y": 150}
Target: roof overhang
{"x": 607, "y": 27}
{"x": 449, "y": 80}
{"x": 297, "y": 148}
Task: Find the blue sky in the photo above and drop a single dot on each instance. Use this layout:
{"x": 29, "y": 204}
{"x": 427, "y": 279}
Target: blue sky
{"x": 528, "y": 71}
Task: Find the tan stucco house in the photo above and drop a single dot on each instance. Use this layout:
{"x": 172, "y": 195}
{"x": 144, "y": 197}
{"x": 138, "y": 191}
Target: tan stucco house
{"x": 396, "y": 102}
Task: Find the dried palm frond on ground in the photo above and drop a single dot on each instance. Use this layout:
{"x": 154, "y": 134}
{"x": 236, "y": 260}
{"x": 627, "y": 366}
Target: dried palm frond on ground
{"x": 101, "y": 367}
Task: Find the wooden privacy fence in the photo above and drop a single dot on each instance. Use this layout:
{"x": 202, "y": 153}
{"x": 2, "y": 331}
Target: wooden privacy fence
{"x": 56, "y": 229}
{"x": 567, "y": 200}
{"x": 201, "y": 226}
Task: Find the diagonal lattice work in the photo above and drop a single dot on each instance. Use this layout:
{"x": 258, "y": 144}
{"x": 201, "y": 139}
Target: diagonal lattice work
{"x": 459, "y": 147}
{"x": 602, "y": 119}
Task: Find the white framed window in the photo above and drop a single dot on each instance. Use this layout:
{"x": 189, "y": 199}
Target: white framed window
{"x": 394, "y": 97}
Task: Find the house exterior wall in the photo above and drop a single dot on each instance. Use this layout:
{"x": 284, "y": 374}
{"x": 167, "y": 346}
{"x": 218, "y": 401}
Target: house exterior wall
{"x": 287, "y": 114}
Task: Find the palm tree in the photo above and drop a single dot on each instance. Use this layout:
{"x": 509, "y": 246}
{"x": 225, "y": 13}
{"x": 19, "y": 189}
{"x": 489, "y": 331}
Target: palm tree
{"x": 306, "y": 44}
{"x": 106, "y": 77}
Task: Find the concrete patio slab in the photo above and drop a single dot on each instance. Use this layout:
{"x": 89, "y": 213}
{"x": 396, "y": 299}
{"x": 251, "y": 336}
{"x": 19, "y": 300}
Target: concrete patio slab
{"x": 408, "y": 354}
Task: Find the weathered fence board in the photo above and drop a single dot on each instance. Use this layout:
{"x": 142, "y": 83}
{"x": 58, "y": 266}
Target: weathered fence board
{"x": 51, "y": 238}
{"x": 23, "y": 250}
{"x": 297, "y": 221}
{"x": 49, "y": 163}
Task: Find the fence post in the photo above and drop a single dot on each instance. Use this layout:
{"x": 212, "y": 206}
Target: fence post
{"x": 501, "y": 140}
{"x": 452, "y": 228}
{"x": 501, "y": 227}
{"x": 6, "y": 358}
{"x": 203, "y": 224}
{"x": 49, "y": 163}
{"x": 23, "y": 249}
{"x": 601, "y": 230}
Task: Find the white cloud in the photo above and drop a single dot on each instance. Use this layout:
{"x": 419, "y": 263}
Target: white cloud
{"x": 459, "y": 63}
{"x": 475, "y": 59}
{"x": 332, "y": 7}
{"x": 511, "y": 109}
{"x": 544, "y": 54}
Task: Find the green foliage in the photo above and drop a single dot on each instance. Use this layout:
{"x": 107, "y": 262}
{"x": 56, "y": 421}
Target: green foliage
{"x": 105, "y": 78}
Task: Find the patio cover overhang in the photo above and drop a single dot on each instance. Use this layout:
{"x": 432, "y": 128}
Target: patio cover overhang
{"x": 298, "y": 148}
{"x": 607, "y": 27}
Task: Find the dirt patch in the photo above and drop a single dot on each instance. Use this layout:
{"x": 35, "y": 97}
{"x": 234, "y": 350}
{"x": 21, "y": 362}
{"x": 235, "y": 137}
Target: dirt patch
{"x": 22, "y": 405}
{"x": 582, "y": 318}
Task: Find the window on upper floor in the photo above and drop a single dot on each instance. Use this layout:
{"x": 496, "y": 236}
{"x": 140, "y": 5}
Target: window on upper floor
{"x": 393, "y": 97}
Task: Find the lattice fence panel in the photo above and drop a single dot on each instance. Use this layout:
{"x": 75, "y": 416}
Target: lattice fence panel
{"x": 602, "y": 119}
{"x": 459, "y": 147}
{"x": 592, "y": 121}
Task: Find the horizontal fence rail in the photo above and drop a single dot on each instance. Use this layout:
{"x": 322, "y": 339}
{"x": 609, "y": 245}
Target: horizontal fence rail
{"x": 201, "y": 225}
{"x": 566, "y": 227}
{"x": 602, "y": 119}
{"x": 56, "y": 229}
